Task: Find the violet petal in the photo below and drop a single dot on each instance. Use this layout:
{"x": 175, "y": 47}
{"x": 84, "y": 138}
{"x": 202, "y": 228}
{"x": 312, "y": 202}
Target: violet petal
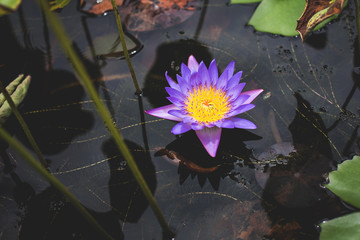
{"x": 185, "y": 72}
{"x": 213, "y": 72}
{"x": 243, "y": 123}
{"x": 210, "y": 139}
{"x": 194, "y": 80}
{"x": 184, "y": 86}
{"x": 163, "y": 112}
{"x": 204, "y": 75}
{"x": 181, "y": 127}
{"x": 171, "y": 82}
{"x": 241, "y": 109}
{"x": 193, "y": 64}
{"x": 239, "y": 101}
{"x": 234, "y": 92}
{"x": 177, "y": 102}
{"x": 253, "y": 94}
{"x": 227, "y": 123}
{"x": 196, "y": 126}
{"x": 175, "y": 93}
{"x": 234, "y": 80}
{"x": 177, "y": 113}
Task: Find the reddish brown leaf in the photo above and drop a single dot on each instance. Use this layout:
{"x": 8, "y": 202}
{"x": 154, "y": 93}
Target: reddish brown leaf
{"x": 177, "y": 159}
{"x": 315, "y": 12}
{"x": 147, "y": 15}
{"x": 98, "y": 7}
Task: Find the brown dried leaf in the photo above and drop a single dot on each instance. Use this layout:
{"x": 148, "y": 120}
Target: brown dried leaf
{"x": 147, "y": 15}
{"x": 98, "y": 7}
{"x": 315, "y": 12}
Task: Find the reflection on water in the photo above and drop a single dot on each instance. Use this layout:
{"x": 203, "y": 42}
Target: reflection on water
{"x": 308, "y": 119}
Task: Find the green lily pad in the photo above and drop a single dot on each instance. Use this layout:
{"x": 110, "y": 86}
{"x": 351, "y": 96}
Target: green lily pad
{"x": 8, "y": 6}
{"x": 243, "y": 1}
{"x": 345, "y": 228}
{"x": 17, "y": 90}
{"x": 278, "y": 16}
{"x": 345, "y": 181}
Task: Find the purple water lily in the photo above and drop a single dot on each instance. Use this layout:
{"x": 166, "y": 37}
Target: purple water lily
{"x": 204, "y": 102}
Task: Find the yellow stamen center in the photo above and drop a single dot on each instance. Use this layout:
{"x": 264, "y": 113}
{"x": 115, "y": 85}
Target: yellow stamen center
{"x": 207, "y": 104}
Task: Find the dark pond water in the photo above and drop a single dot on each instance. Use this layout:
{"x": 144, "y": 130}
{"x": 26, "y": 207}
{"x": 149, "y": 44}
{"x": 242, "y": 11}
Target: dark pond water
{"x": 267, "y": 182}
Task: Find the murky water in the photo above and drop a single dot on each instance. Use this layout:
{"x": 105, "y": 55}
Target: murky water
{"x": 266, "y": 183}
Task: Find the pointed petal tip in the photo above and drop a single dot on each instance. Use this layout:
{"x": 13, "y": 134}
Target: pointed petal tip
{"x": 193, "y": 64}
{"x": 253, "y": 94}
{"x": 162, "y": 112}
{"x": 210, "y": 139}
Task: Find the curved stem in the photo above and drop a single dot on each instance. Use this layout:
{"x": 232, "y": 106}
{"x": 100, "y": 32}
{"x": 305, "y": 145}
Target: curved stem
{"x": 126, "y": 53}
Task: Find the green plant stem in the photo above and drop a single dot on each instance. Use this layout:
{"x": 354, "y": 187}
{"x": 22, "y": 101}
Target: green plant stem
{"x": 51, "y": 179}
{"x": 126, "y": 53}
{"x": 357, "y": 14}
{"x": 23, "y": 123}
{"x": 103, "y": 112}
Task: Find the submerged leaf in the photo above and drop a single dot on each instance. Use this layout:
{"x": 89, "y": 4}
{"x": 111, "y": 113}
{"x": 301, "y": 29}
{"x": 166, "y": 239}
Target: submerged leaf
{"x": 17, "y": 89}
{"x": 345, "y": 227}
{"x": 8, "y": 6}
{"x": 109, "y": 46}
{"x": 316, "y": 12}
{"x": 345, "y": 181}
{"x": 277, "y": 17}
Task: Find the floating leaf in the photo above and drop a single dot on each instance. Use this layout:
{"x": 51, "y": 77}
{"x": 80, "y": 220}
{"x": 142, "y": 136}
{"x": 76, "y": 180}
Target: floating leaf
{"x": 147, "y": 15}
{"x": 277, "y": 17}
{"x": 58, "y": 4}
{"x": 17, "y": 90}
{"x": 98, "y": 7}
{"x": 345, "y": 182}
{"x": 346, "y": 227}
{"x": 243, "y": 1}
{"x": 316, "y": 12}
{"x": 109, "y": 46}
{"x": 8, "y": 6}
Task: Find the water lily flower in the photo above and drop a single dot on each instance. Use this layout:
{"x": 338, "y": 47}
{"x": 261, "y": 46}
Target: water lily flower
{"x": 204, "y": 102}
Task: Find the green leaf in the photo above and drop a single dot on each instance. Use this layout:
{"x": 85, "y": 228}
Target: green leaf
{"x": 345, "y": 228}
{"x": 17, "y": 89}
{"x": 278, "y": 16}
{"x": 58, "y": 4}
{"x": 8, "y": 6}
{"x": 243, "y": 1}
{"x": 345, "y": 181}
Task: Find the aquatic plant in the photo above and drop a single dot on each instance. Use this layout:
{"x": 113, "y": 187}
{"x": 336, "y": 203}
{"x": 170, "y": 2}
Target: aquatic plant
{"x": 204, "y": 102}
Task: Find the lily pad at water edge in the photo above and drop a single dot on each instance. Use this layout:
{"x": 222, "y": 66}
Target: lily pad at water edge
{"x": 345, "y": 228}
{"x": 277, "y": 17}
{"x": 345, "y": 182}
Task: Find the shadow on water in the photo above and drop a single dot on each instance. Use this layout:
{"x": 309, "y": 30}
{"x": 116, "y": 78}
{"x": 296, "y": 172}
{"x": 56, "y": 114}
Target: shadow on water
{"x": 169, "y": 57}
{"x": 48, "y": 215}
{"x": 58, "y": 111}
{"x": 126, "y": 198}
{"x": 293, "y": 196}
{"x": 192, "y": 160}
